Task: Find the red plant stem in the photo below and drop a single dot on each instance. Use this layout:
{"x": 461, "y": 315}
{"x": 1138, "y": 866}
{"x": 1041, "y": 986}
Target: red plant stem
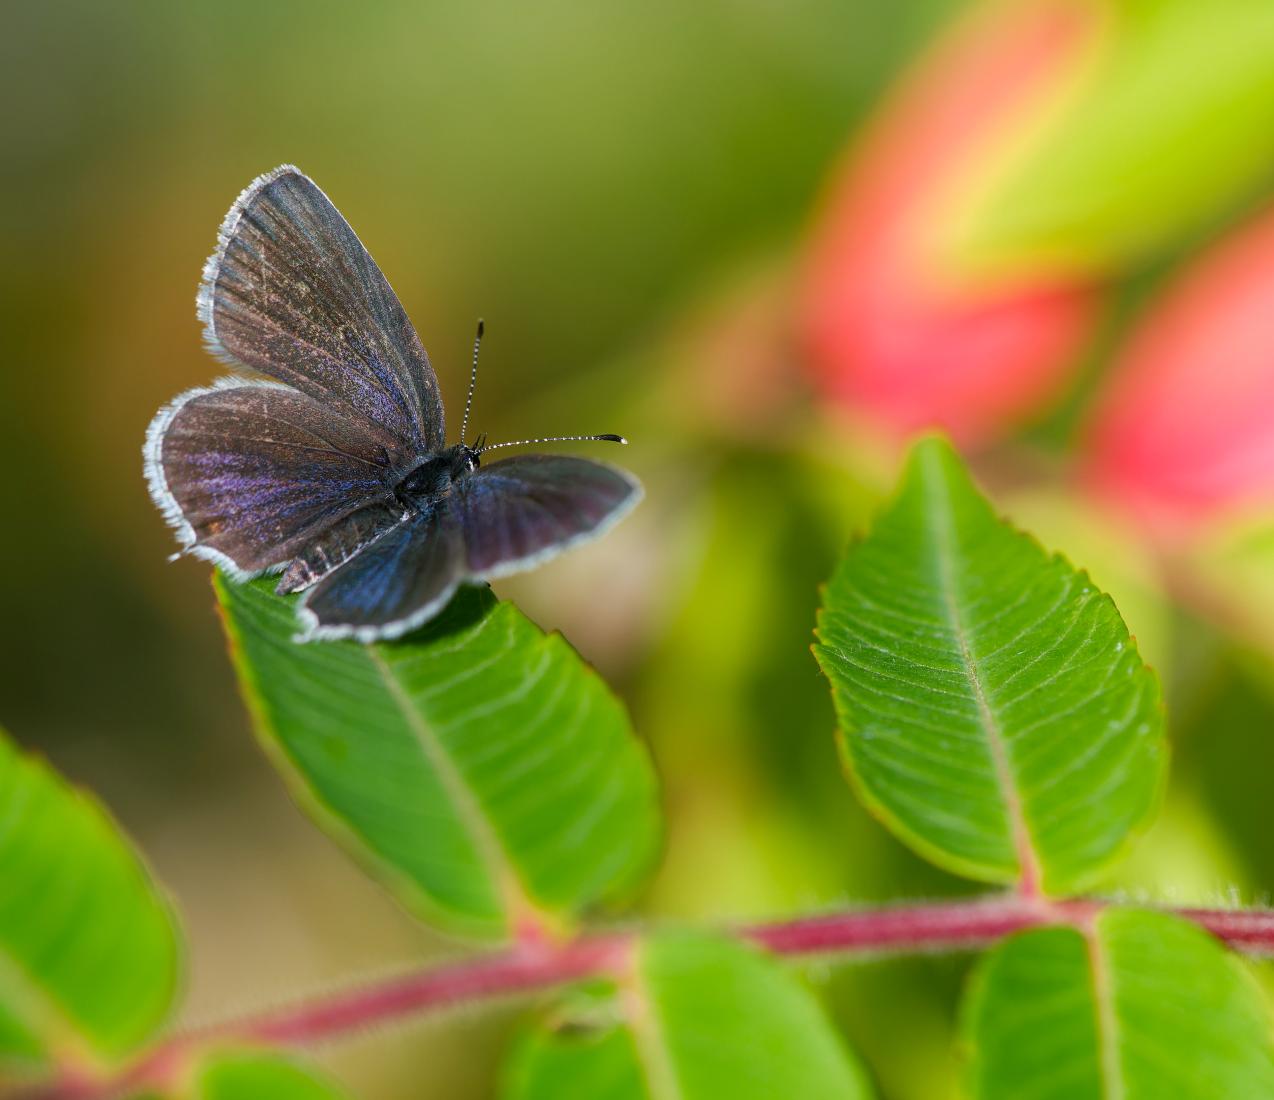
{"x": 894, "y": 928}
{"x": 539, "y": 965}
{"x": 1250, "y": 930}
{"x": 518, "y": 970}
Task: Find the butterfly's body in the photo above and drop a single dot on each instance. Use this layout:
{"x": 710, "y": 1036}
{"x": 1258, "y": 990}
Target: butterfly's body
{"x": 336, "y": 472}
{"x": 434, "y": 476}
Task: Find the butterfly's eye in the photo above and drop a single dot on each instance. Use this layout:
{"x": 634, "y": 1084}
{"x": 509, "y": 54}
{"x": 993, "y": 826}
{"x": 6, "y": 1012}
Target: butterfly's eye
{"x": 463, "y": 460}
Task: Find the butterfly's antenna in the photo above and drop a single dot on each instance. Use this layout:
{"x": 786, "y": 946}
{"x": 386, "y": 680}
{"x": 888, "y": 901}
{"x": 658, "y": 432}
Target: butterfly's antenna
{"x": 608, "y": 438}
{"x": 473, "y": 381}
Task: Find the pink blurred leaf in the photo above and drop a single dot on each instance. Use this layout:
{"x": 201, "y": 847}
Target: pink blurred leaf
{"x": 1184, "y": 427}
{"x": 889, "y": 330}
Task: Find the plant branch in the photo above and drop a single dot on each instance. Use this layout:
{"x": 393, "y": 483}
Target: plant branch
{"x": 537, "y": 965}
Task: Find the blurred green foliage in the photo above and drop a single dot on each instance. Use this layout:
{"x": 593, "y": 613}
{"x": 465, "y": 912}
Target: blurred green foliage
{"x": 246, "y": 1075}
{"x": 1118, "y": 176}
{"x": 88, "y": 948}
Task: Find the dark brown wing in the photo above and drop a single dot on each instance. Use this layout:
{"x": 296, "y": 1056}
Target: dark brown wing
{"x": 290, "y": 291}
{"x": 521, "y": 511}
{"x": 250, "y": 474}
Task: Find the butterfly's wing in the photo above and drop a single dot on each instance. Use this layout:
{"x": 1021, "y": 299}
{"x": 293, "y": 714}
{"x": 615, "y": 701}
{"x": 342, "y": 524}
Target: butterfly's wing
{"x": 504, "y": 517}
{"x": 290, "y": 291}
{"x": 394, "y": 584}
{"x": 340, "y": 542}
{"x": 521, "y": 511}
{"x": 250, "y": 474}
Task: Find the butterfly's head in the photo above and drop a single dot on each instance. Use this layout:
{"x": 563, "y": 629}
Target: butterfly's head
{"x": 464, "y": 459}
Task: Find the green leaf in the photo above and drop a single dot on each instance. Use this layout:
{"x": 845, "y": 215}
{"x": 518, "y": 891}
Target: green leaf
{"x": 249, "y": 1075}
{"x": 478, "y": 765}
{"x": 1171, "y": 129}
{"x": 1140, "y": 1006}
{"x": 89, "y": 953}
{"x": 994, "y": 712}
{"x": 694, "y": 1018}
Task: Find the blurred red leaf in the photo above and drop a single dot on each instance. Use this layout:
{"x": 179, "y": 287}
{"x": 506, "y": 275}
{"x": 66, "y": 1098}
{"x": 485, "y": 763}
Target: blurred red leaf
{"x": 887, "y": 328}
{"x": 1183, "y": 429}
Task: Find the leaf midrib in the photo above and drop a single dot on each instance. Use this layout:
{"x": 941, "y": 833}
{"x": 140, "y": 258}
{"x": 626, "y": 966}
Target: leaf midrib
{"x": 649, "y": 1039}
{"x": 1107, "y": 1019}
{"x": 493, "y": 854}
{"x": 61, "y": 1036}
{"x": 939, "y": 507}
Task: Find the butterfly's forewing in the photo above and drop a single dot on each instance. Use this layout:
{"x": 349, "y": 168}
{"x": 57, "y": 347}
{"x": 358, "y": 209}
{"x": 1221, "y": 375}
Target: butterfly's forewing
{"x": 520, "y": 511}
{"x": 250, "y": 473}
{"x": 292, "y": 292}
{"x": 392, "y": 585}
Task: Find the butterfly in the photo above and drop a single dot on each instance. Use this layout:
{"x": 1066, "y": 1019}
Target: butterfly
{"x": 334, "y": 467}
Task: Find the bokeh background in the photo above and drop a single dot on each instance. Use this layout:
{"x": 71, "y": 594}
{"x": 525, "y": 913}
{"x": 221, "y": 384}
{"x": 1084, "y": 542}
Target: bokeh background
{"x": 768, "y": 242}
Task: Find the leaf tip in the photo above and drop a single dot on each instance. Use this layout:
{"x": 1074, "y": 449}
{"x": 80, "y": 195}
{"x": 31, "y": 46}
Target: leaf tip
{"x": 933, "y": 458}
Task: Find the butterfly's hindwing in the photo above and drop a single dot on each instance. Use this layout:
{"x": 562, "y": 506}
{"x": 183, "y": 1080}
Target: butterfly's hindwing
{"x": 520, "y": 511}
{"x": 338, "y": 544}
{"x": 392, "y": 585}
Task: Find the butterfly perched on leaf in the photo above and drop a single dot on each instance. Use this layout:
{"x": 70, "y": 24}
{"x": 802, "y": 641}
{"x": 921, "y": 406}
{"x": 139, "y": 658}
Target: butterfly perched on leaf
{"x": 334, "y": 467}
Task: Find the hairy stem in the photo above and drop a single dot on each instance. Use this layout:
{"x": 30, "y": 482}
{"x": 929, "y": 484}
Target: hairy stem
{"x": 534, "y": 965}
